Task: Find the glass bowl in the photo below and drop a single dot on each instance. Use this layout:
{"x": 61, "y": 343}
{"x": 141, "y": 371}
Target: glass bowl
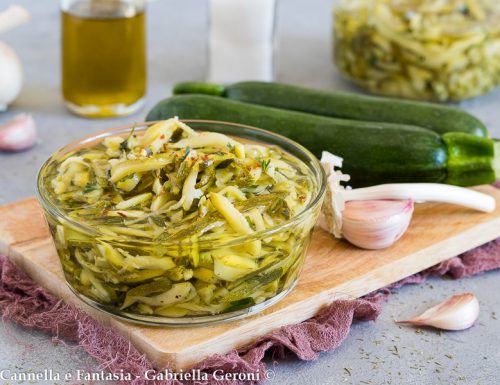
{"x": 251, "y": 293}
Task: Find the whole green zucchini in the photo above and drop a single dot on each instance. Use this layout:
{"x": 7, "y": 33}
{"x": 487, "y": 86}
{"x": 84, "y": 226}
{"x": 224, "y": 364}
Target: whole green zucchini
{"x": 373, "y": 152}
{"x": 345, "y": 105}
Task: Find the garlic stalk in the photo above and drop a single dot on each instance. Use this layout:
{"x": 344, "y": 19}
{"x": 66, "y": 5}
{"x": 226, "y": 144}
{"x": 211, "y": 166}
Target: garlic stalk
{"x": 456, "y": 313}
{"x": 432, "y": 192}
{"x": 18, "y": 134}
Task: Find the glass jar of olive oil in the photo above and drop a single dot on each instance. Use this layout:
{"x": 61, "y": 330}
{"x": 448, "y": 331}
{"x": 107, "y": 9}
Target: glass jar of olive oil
{"x": 103, "y": 56}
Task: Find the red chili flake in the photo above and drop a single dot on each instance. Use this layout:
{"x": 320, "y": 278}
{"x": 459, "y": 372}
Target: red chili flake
{"x": 162, "y": 136}
{"x": 205, "y": 157}
{"x": 257, "y": 165}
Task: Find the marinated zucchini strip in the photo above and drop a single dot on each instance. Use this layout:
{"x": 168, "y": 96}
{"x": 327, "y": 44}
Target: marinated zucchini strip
{"x": 235, "y": 219}
{"x": 189, "y": 191}
{"x": 145, "y": 290}
{"x": 232, "y": 267}
{"x": 134, "y": 201}
{"x": 112, "y": 255}
{"x": 178, "y": 293}
{"x": 211, "y": 139}
{"x": 128, "y": 167}
{"x": 128, "y": 183}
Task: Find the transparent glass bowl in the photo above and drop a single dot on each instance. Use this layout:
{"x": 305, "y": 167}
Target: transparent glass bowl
{"x": 264, "y": 286}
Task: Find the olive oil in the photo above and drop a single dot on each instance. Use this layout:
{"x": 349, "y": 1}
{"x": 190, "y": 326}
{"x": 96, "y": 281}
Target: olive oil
{"x": 103, "y": 57}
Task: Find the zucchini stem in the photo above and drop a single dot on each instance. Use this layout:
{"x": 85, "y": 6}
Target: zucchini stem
{"x": 471, "y": 159}
{"x": 199, "y": 88}
{"x": 496, "y": 159}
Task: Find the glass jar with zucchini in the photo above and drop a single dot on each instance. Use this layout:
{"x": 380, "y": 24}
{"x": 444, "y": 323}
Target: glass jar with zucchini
{"x": 171, "y": 223}
{"x": 429, "y": 50}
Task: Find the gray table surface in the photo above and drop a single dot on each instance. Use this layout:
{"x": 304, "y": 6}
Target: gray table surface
{"x": 375, "y": 352}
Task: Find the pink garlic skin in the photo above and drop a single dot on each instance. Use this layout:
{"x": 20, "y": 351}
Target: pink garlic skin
{"x": 376, "y": 224}
{"x": 18, "y": 134}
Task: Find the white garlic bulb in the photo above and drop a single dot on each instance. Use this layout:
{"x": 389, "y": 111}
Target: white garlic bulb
{"x": 11, "y": 76}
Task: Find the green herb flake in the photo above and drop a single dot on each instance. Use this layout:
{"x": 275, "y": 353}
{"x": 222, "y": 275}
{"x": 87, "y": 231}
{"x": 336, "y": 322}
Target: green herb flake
{"x": 89, "y": 187}
{"x": 186, "y": 153}
{"x": 264, "y": 164}
{"x": 250, "y": 222}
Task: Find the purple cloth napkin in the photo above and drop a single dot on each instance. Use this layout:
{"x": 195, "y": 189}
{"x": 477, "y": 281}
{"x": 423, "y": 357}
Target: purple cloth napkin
{"x": 25, "y": 303}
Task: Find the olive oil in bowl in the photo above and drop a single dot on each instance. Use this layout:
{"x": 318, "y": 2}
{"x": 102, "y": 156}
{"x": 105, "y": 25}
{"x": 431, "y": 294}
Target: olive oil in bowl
{"x": 103, "y": 57}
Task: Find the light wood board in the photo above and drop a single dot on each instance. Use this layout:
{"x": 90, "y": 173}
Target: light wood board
{"x": 333, "y": 270}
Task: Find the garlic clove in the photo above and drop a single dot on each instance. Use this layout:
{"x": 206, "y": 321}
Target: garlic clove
{"x": 456, "y": 313}
{"x": 376, "y": 224}
{"x": 18, "y": 134}
{"x": 13, "y": 17}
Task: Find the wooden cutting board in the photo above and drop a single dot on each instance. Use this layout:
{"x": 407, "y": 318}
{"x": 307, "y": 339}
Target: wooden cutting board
{"x": 333, "y": 270}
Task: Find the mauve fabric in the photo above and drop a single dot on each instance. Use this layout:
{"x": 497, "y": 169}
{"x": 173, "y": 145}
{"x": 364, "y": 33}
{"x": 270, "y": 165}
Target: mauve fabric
{"x": 25, "y": 303}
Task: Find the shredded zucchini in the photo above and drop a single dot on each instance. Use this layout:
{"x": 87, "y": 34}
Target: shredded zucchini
{"x": 420, "y": 49}
{"x": 162, "y": 208}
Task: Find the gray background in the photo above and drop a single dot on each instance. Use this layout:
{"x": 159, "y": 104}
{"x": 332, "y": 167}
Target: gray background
{"x": 376, "y": 352}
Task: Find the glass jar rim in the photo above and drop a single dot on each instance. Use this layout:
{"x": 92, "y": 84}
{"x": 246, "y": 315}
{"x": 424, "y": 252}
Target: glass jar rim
{"x": 314, "y": 166}
{"x": 134, "y": 7}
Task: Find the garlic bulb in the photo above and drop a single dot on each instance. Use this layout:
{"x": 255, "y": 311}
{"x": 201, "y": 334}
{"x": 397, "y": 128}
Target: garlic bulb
{"x": 11, "y": 75}
{"x": 376, "y": 224}
{"x": 18, "y": 134}
{"x": 375, "y": 217}
{"x": 456, "y": 313}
